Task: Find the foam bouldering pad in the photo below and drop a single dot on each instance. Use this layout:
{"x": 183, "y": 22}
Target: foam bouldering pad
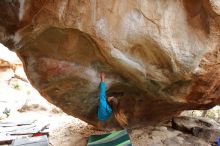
{"x": 32, "y": 141}
{"x": 116, "y": 138}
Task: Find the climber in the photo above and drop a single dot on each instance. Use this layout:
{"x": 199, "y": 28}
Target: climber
{"x": 109, "y": 105}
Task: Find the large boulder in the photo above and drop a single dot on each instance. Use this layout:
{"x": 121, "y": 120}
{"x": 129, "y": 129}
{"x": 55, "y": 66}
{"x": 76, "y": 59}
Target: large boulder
{"x": 207, "y": 129}
{"x": 164, "y": 56}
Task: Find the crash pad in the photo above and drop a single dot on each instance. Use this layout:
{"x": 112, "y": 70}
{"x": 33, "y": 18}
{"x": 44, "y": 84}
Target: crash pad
{"x": 116, "y": 138}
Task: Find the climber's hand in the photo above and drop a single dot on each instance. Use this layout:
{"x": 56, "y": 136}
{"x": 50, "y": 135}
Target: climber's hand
{"x": 102, "y": 76}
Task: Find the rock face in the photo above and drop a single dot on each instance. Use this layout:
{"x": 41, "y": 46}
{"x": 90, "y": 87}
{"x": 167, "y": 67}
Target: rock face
{"x": 163, "y": 55}
{"x": 207, "y": 129}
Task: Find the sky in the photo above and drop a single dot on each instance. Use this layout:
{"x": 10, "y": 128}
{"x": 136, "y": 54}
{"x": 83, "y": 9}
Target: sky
{"x": 8, "y": 55}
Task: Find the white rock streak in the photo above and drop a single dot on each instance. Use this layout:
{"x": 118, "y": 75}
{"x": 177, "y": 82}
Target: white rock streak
{"x": 21, "y": 9}
{"x": 122, "y": 57}
{"x": 62, "y": 7}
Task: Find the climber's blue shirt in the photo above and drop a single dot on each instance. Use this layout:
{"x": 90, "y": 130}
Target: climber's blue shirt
{"x": 104, "y": 110}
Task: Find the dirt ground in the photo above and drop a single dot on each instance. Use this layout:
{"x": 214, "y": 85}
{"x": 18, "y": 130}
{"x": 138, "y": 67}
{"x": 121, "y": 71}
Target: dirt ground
{"x": 66, "y": 130}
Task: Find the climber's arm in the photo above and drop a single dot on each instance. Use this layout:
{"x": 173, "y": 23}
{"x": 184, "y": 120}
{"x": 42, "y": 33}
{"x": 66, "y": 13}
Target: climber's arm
{"x": 102, "y": 87}
{"x": 102, "y": 77}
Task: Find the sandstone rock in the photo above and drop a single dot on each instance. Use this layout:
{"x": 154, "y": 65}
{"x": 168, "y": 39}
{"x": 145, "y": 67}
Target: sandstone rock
{"x": 213, "y": 113}
{"x": 208, "y": 130}
{"x": 187, "y": 123}
{"x": 211, "y": 135}
{"x": 163, "y": 55}
{"x": 161, "y": 136}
